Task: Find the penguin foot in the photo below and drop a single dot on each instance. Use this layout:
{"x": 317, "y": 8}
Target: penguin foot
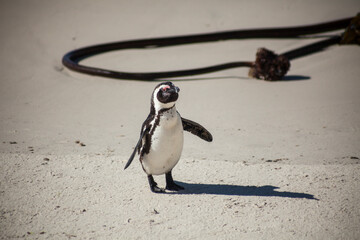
{"x": 174, "y": 187}
{"x": 170, "y": 185}
{"x": 156, "y": 189}
{"x": 153, "y": 185}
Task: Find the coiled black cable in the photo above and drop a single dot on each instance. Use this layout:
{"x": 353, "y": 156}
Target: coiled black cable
{"x": 71, "y": 59}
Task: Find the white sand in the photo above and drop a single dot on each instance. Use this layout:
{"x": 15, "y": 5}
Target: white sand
{"x": 309, "y": 128}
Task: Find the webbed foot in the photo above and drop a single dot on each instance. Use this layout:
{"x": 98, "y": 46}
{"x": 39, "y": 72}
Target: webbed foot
{"x": 153, "y": 185}
{"x": 170, "y": 184}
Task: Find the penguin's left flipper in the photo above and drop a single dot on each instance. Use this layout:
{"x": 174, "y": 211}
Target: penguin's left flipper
{"x": 196, "y": 129}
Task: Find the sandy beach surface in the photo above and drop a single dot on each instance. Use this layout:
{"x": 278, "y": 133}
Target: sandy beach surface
{"x": 284, "y": 163}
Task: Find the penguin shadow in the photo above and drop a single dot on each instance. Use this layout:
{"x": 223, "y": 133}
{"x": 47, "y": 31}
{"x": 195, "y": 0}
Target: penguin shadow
{"x": 236, "y": 190}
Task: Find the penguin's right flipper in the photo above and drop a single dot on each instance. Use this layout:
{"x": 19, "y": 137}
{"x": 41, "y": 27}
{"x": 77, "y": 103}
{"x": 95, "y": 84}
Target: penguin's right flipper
{"x": 196, "y": 129}
{"x": 144, "y": 132}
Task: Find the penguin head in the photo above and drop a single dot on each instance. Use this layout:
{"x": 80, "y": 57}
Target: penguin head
{"x": 165, "y": 95}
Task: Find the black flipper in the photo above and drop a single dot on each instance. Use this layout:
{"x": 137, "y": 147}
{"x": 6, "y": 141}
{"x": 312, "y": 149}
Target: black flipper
{"x": 144, "y": 132}
{"x": 145, "y": 129}
{"x": 135, "y": 149}
{"x": 196, "y": 129}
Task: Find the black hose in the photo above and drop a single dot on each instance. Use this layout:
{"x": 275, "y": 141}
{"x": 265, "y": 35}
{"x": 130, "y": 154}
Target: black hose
{"x": 71, "y": 59}
{"x": 311, "y": 48}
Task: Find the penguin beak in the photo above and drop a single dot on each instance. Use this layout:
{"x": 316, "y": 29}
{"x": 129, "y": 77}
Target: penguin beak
{"x": 174, "y": 89}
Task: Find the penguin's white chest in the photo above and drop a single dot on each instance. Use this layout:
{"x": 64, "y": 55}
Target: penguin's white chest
{"x": 166, "y": 144}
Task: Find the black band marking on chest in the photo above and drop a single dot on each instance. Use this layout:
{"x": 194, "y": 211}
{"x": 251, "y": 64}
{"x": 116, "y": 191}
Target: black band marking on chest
{"x": 147, "y": 138}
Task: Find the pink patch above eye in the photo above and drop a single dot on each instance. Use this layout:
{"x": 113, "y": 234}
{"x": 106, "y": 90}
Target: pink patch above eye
{"x": 165, "y": 87}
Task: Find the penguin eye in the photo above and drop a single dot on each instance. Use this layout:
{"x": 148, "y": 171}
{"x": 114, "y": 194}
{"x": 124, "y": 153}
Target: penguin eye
{"x": 165, "y": 88}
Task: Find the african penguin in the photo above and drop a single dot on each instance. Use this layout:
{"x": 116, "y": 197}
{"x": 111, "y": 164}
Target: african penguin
{"x": 161, "y": 138}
